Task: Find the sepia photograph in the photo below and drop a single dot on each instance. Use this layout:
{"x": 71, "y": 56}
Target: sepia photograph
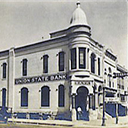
{"x": 64, "y": 63}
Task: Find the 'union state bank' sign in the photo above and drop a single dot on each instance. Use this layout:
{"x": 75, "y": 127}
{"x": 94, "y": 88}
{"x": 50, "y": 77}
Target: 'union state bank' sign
{"x": 38, "y": 79}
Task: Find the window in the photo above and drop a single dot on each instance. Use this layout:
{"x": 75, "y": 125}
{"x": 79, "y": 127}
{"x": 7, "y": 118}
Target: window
{"x": 4, "y": 70}
{"x": 3, "y": 97}
{"x": 109, "y": 76}
{"x": 24, "y": 67}
{"x": 82, "y": 58}
{"x": 24, "y": 97}
{"x": 99, "y": 66}
{"x": 109, "y": 80}
{"x": 73, "y": 58}
{"x": 45, "y": 96}
{"x": 61, "y": 96}
{"x": 93, "y": 56}
{"x": 45, "y": 64}
{"x": 61, "y": 61}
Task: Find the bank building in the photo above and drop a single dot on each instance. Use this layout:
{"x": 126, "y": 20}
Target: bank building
{"x": 62, "y": 78}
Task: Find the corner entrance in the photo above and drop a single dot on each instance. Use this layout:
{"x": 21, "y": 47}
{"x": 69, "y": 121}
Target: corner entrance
{"x": 82, "y": 104}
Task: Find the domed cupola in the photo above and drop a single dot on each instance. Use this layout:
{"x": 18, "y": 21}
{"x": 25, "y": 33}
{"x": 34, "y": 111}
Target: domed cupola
{"x": 78, "y": 17}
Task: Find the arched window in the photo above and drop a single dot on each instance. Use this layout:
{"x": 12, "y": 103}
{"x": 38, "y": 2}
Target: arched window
{"x": 45, "y": 64}
{"x": 61, "y": 96}
{"x": 109, "y": 77}
{"x": 24, "y": 97}
{"x": 4, "y": 97}
{"x": 45, "y": 96}
{"x": 99, "y": 66}
{"x": 24, "y": 67}
{"x": 61, "y": 61}
{"x": 4, "y": 70}
{"x": 93, "y": 56}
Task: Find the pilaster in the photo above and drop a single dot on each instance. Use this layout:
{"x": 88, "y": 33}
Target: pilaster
{"x": 11, "y": 71}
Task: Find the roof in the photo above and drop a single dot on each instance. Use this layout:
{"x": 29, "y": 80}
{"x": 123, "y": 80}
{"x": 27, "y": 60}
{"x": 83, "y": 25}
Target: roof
{"x": 78, "y": 17}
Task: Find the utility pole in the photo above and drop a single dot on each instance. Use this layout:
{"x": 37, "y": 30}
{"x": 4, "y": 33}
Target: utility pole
{"x": 103, "y": 118}
{"x": 117, "y": 109}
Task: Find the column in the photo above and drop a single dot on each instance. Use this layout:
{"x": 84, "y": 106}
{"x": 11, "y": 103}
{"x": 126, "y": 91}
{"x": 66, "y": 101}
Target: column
{"x": 96, "y": 65}
{"x": 27, "y": 116}
{"x": 73, "y": 107}
{"x": 77, "y": 58}
{"x": 87, "y": 58}
{"x": 90, "y": 101}
{"x": 96, "y": 100}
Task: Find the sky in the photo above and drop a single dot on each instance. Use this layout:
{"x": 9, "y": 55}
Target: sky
{"x": 24, "y": 22}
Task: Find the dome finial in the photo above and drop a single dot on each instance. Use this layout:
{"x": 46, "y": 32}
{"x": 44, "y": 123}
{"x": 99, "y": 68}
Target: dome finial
{"x": 78, "y": 3}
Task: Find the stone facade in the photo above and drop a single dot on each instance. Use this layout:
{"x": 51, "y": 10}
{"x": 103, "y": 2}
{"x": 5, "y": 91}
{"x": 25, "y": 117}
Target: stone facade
{"x": 88, "y": 67}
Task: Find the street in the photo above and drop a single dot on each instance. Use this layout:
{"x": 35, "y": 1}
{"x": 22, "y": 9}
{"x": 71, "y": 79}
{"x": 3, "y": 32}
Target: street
{"x": 46, "y": 126}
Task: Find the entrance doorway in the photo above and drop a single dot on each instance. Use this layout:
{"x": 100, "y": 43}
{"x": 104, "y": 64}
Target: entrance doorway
{"x": 82, "y": 104}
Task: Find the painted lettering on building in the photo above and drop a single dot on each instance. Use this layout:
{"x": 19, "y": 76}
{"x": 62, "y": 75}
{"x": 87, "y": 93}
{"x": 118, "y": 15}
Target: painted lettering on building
{"x": 38, "y": 79}
{"x": 82, "y": 82}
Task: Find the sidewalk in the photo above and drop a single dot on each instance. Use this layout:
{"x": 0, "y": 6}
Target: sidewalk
{"x": 123, "y": 123}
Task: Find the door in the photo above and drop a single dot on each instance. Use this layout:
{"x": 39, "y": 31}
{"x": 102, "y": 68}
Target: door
{"x": 82, "y": 104}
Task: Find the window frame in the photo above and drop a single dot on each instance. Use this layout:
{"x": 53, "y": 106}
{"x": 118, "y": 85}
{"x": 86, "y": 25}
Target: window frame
{"x": 45, "y": 99}
{"x": 61, "y": 60}
{"x": 93, "y": 59}
{"x": 61, "y": 96}
{"x": 82, "y": 66}
{"x": 4, "y": 75}
{"x": 73, "y": 52}
{"x": 24, "y": 67}
{"x": 45, "y": 63}
{"x": 24, "y": 97}
{"x": 99, "y": 66}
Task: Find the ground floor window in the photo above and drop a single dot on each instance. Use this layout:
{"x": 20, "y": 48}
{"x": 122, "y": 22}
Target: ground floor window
{"x": 61, "y": 96}
{"x": 24, "y": 97}
{"x": 4, "y": 97}
{"x": 45, "y": 96}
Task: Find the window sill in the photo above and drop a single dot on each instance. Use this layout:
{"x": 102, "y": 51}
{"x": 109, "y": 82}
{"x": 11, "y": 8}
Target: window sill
{"x": 44, "y": 107}
{"x": 24, "y": 107}
{"x": 61, "y": 107}
{"x": 3, "y": 79}
{"x": 45, "y": 73}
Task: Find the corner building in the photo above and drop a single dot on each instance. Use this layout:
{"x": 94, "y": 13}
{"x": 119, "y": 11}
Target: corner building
{"x": 53, "y": 78}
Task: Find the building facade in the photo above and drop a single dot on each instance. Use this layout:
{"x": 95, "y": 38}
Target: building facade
{"x": 62, "y": 77}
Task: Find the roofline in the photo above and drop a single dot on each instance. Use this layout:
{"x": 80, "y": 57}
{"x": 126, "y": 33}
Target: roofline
{"x": 4, "y": 53}
{"x": 121, "y": 68}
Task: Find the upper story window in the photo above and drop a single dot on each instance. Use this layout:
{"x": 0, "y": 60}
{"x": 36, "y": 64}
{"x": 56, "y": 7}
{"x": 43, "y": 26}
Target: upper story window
{"x": 45, "y": 64}
{"x": 73, "y": 58}
{"x": 99, "y": 66}
{"x": 82, "y": 58}
{"x": 93, "y": 56}
{"x": 24, "y": 67}
{"x": 110, "y": 77}
{"x": 4, "y": 70}
{"x": 61, "y": 61}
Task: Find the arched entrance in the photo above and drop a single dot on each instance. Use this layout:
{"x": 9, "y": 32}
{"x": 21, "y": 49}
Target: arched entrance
{"x": 82, "y": 104}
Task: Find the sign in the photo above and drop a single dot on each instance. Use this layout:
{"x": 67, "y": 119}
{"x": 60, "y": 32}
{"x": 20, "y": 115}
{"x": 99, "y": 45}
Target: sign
{"x": 111, "y": 99}
{"x": 110, "y": 90}
{"x": 38, "y": 79}
{"x": 82, "y": 82}
{"x": 120, "y": 74}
